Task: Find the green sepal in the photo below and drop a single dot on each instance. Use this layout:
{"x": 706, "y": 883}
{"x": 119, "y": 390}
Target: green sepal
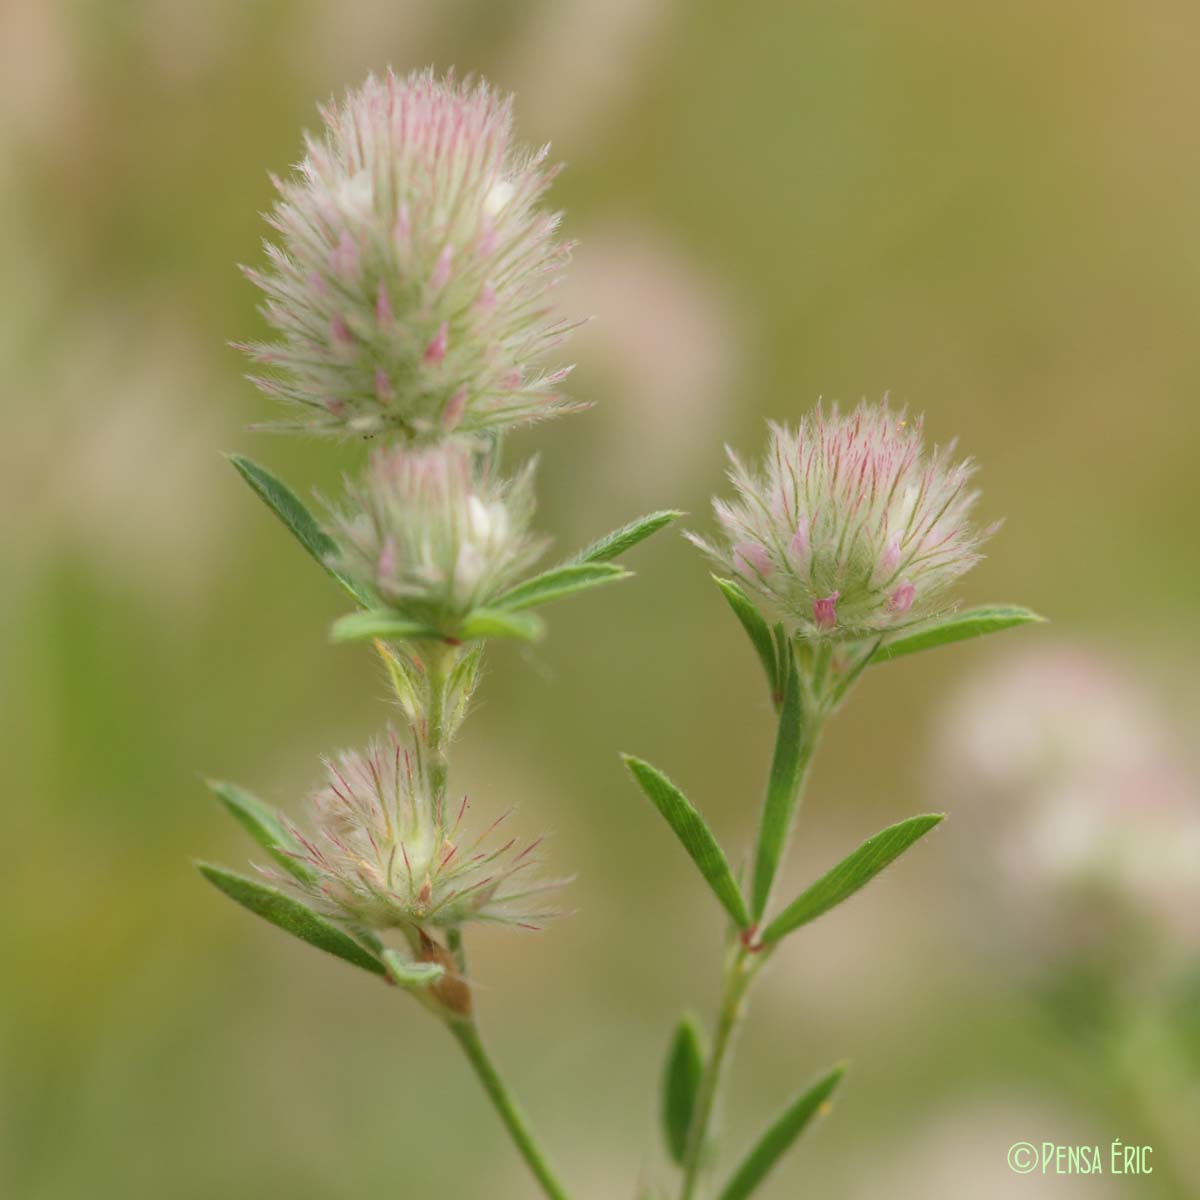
{"x": 288, "y": 507}
{"x": 379, "y": 623}
{"x": 680, "y": 1083}
{"x": 291, "y": 916}
{"x": 692, "y": 831}
{"x": 263, "y": 824}
{"x": 559, "y": 582}
{"x": 614, "y": 544}
{"x": 956, "y": 627}
{"x": 779, "y": 1138}
{"x": 854, "y": 872}
{"x": 498, "y": 623}
{"x": 412, "y": 976}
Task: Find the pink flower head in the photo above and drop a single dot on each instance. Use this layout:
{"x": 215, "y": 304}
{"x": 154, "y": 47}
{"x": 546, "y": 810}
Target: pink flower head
{"x": 389, "y": 853}
{"x": 413, "y": 224}
{"x": 850, "y": 527}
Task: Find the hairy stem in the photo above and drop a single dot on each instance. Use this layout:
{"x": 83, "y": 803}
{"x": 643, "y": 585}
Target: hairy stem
{"x": 438, "y": 666}
{"x": 740, "y": 969}
{"x": 466, "y": 1032}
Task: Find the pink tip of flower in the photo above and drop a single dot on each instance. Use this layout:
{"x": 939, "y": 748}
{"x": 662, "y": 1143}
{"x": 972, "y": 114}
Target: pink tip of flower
{"x": 900, "y": 601}
{"x": 387, "y": 561}
{"x": 318, "y": 284}
{"x": 403, "y": 227}
{"x": 436, "y": 350}
{"x": 343, "y": 260}
{"x": 487, "y": 298}
{"x": 441, "y": 271}
{"x": 383, "y": 386}
{"x": 341, "y": 331}
{"x": 511, "y": 381}
{"x": 488, "y": 241}
{"x": 800, "y": 547}
{"x": 750, "y": 559}
{"x": 452, "y": 414}
{"x": 383, "y": 306}
{"x": 825, "y": 611}
{"x": 889, "y": 560}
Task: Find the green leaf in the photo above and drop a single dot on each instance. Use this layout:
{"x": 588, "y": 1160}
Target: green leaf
{"x": 495, "y": 622}
{"x": 291, "y": 916}
{"x": 411, "y": 975}
{"x": 852, "y": 873}
{"x": 287, "y": 506}
{"x": 681, "y": 1081}
{"x": 616, "y": 543}
{"x": 560, "y": 581}
{"x": 783, "y": 788}
{"x": 697, "y": 838}
{"x": 263, "y": 824}
{"x": 777, "y": 1140}
{"x": 974, "y": 622}
{"x": 756, "y": 628}
{"x": 378, "y": 623}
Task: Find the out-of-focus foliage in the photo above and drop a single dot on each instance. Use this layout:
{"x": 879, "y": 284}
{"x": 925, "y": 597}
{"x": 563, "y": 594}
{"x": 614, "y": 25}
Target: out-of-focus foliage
{"x": 987, "y": 210}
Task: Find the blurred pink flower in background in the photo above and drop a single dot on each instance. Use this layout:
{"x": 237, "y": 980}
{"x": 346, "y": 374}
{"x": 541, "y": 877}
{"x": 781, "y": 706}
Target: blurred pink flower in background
{"x": 1089, "y": 813}
{"x": 659, "y": 357}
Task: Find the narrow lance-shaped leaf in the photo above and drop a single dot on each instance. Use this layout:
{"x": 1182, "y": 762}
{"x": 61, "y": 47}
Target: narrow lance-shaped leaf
{"x": 287, "y": 506}
{"x": 681, "y": 1080}
{"x": 263, "y": 824}
{"x": 378, "y": 623}
{"x": 777, "y": 1140}
{"x": 756, "y": 629}
{"x": 783, "y": 786}
{"x": 558, "y": 582}
{"x": 292, "y": 916}
{"x": 689, "y": 827}
{"x": 620, "y": 540}
{"x": 974, "y": 622}
{"x": 852, "y": 873}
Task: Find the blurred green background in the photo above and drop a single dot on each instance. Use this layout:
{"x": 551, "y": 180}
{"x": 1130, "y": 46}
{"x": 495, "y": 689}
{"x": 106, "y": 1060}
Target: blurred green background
{"x": 988, "y": 211}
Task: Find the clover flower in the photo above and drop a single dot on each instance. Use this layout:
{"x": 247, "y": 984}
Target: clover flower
{"x": 435, "y": 535}
{"x": 849, "y": 528}
{"x": 1087, "y": 803}
{"x": 387, "y": 853}
{"x": 409, "y": 288}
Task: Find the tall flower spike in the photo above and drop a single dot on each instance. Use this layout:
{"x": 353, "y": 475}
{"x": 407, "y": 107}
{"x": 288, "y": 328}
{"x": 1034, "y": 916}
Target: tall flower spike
{"x": 410, "y": 287}
{"x": 434, "y": 535}
{"x": 387, "y": 854}
{"x": 849, "y": 528}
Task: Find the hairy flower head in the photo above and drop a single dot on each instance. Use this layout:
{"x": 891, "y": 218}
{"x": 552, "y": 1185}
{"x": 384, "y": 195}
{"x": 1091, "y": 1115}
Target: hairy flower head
{"x": 849, "y": 528}
{"x": 387, "y": 853}
{"x": 409, "y": 287}
{"x": 436, "y": 534}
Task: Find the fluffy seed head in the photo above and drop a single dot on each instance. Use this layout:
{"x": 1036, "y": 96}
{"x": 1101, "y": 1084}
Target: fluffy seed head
{"x": 434, "y": 533}
{"x": 409, "y": 289}
{"x": 387, "y": 853}
{"x": 849, "y": 528}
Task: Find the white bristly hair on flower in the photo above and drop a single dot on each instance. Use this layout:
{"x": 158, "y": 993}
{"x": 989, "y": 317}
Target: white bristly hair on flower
{"x": 410, "y": 287}
{"x": 435, "y": 534}
{"x": 850, "y": 528}
{"x": 387, "y": 854}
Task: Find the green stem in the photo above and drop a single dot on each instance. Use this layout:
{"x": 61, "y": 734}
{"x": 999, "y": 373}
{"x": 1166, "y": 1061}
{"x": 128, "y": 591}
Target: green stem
{"x": 740, "y": 969}
{"x": 437, "y": 670}
{"x": 466, "y": 1032}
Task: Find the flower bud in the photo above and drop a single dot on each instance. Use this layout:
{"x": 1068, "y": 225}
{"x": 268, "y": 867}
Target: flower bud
{"x": 388, "y": 853}
{"x": 850, "y": 528}
{"x": 434, "y": 535}
{"x": 413, "y": 269}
